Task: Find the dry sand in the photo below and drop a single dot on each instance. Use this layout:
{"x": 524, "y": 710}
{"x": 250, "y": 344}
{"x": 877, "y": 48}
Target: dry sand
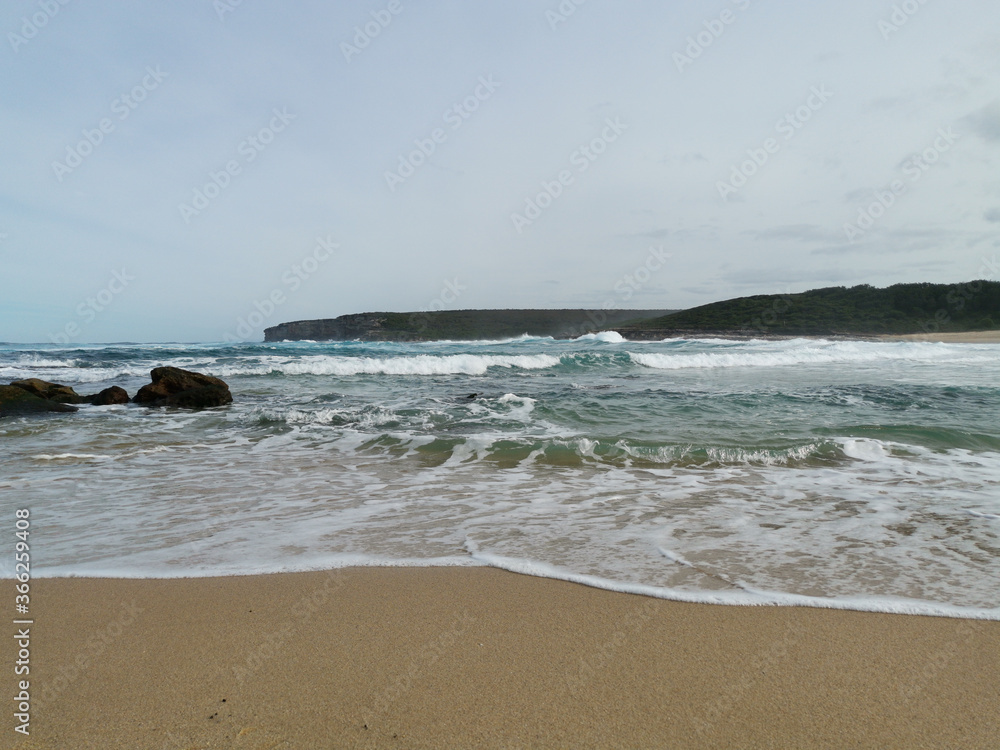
{"x": 476, "y": 657}
{"x": 970, "y": 337}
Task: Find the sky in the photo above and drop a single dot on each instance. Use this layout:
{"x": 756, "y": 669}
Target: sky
{"x": 199, "y": 170}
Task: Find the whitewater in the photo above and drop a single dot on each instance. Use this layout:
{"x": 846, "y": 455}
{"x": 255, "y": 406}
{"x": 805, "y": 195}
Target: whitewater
{"x": 847, "y": 474}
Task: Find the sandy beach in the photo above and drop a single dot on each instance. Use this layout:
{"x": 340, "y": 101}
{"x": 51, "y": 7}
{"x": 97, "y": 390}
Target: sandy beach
{"x": 969, "y": 337}
{"x": 476, "y": 657}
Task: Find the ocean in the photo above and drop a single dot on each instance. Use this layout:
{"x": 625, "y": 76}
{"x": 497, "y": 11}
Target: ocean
{"x": 859, "y": 475}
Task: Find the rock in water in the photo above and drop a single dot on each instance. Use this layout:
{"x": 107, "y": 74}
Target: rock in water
{"x": 17, "y": 401}
{"x": 173, "y": 386}
{"x": 112, "y": 395}
{"x": 201, "y": 398}
{"x": 49, "y": 391}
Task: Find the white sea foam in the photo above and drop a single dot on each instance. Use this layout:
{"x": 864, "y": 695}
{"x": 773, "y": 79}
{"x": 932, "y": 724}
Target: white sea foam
{"x": 809, "y": 352}
{"x": 521, "y": 406}
{"x": 72, "y": 375}
{"x": 524, "y": 338}
{"x": 609, "y": 337}
{"x": 312, "y": 564}
{"x": 866, "y": 450}
{"x": 747, "y": 597}
{"x": 421, "y": 364}
{"x": 37, "y": 361}
{"x": 343, "y": 366}
{"x": 70, "y": 457}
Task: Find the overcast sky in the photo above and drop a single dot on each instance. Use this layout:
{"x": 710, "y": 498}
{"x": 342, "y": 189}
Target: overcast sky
{"x": 172, "y": 169}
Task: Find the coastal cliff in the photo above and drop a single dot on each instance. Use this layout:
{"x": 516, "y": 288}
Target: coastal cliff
{"x": 457, "y": 325}
{"x": 861, "y": 310}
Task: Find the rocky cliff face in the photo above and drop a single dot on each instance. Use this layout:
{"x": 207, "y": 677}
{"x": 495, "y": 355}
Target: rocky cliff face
{"x": 345, "y": 328}
{"x": 459, "y": 325}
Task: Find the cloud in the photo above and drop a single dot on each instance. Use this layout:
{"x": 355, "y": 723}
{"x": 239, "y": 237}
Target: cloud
{"x": 653, "y": 234}
{"x": 992, "y": 214}
{"x": 858, "y": 195}
{"x": 986, "y": 121}
{"x": 799, "y": 232}
{"x": 765, "y": 278}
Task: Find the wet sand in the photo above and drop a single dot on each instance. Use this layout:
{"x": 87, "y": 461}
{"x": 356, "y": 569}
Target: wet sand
{"x": 476, "y": 657}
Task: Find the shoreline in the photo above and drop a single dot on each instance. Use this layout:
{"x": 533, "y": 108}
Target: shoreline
{"x": 963, "y": 337}
{"x": 475, "y": 656}
{"x": 966, "y": 337}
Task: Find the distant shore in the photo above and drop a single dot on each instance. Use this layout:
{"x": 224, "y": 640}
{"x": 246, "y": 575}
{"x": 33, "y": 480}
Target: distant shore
{"x": 963, "y": 337}
{"x": 966, "y": 337}
{"x": 477, "y": 657}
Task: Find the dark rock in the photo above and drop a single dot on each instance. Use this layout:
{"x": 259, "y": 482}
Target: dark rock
{"x": 109, "y": 396}
{"x": 50, "y": 391}
{"x": 173, "y": 386}
{"x": 201, "y": 398}
{"x": 15, "y": 401}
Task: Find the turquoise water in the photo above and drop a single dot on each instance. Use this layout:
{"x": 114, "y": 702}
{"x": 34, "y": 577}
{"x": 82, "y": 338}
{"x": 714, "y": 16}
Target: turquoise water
{"x": 863, "y": 475}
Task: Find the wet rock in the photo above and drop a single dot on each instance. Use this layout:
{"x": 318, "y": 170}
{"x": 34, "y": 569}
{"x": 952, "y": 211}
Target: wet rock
{"x": 173, "y": 386}
{"x": 49, "y": 391}
{"x": 109, "y": 396}
{"x": 201, "y": 398}
{"x": 18, "y": 401}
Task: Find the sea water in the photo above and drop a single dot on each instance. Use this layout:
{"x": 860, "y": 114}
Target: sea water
{"x": 852, "y": 474}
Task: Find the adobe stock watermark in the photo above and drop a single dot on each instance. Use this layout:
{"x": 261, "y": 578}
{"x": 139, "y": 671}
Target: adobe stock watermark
{"x": 581, "y": 158}
{"x": 425, "y": 658}
{"x": 292, "y": 280}
{"x": 122, "y": 106}
{"x": 901, "y": 14}
{"x": 913, "y": 167}
{"x": 450, "y": 293}
{"x": 454, "y": 117}
{"x": 714, "y": 28}
{"x": 88, "y": 310}
{"x": 787, "y": 126}
{"x": 562, "y": 12}
{"x": 736, "y": 691}
{"x": 38, "y": 20}
{"x": 771, "y": 315}
{"x": 963, "y": 639}
{"x": 363, "y": 35}
{"x": 630, "y": 626}
{"x": 224, "y": 7}
{"x": 957, "y": 299}
{"x": 302, "y": 612}
{"x": 250, "y": 148}
{"x": 96, "y": 646}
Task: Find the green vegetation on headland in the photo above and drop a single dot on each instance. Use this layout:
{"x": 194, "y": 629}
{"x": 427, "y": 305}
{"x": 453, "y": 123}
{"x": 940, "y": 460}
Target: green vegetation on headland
{"x": 834, "y": 311}
{"x": 456, "y": 325}
{"x": 859, "y": 310}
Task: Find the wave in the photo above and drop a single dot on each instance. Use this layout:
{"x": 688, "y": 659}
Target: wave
{"x": 441, "y": 437}
{"x": 741, "y": 594}
{"x": 70, "y": 457}
{"x": 421, "y": 364}
{"x": 610, "y": 337}
{"x": 524, "y": 338}
{"x": 805, "y": 352}
{"x": 71, "y": 375}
